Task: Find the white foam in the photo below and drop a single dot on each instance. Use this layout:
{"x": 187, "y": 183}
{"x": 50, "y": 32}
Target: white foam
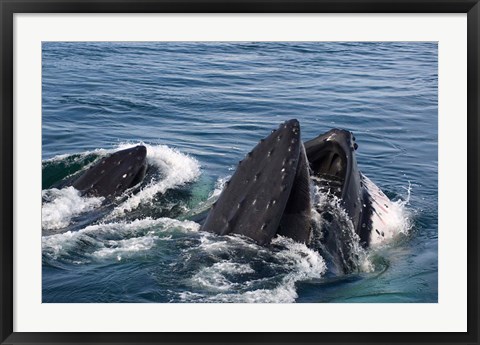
{"x": 63, "y": 205}
{"x": 215, "y": 276}
{"x": 301, "y": 262}
{"x": 177, "y": 169}
{"x": 122, "y": 247}
{"x": 96, "y": 237}
{"x": 210, "y": 243}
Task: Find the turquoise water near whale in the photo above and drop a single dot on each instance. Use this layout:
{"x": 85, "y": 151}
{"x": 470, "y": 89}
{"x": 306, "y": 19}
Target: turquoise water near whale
{"x": 199, "y": 108}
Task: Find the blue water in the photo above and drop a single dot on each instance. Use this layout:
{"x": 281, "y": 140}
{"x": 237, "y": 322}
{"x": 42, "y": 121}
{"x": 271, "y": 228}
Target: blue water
{"x": 199, "y": 108}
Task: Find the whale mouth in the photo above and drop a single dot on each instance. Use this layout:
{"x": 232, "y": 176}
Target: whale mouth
{"x": 329, "y": 156}
{"x": 329, "y": 168}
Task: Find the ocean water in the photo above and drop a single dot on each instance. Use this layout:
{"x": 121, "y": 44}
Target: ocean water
{"x": 199, "y": 108}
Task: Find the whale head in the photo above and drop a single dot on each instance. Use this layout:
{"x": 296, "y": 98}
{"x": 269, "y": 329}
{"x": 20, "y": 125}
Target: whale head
{"x": 112, "y": 175}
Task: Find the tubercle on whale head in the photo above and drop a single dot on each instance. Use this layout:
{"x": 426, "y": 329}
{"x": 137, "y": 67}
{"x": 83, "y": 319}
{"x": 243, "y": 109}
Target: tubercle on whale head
{"x": 340, "y": 136}
{"x": 115, "y": 173}
{"x": 289, "y": 128}
{"x": 260, "y": 187}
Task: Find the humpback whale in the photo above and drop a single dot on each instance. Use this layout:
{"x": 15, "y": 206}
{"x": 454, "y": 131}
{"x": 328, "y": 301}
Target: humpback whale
{"x": 269, "y": 193}
{"x": 114, "y": 174}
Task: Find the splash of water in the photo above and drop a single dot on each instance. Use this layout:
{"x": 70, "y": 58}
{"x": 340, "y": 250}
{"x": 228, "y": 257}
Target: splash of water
{"x": 177, "y": 169}
{"x": 62, "y": 205}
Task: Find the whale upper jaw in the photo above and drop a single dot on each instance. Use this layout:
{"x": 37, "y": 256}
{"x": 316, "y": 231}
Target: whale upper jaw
{"x": 269, "y": 191}
{"x": 114, "y": 174}
{"x": 332, "y": 158}
{"x": 334, "y": 167}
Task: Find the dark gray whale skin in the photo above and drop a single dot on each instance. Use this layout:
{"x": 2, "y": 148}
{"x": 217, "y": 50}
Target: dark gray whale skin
{"x": 333, "y": 166}
{"x": 269, "y": 192}
{"x": 114, "y": 174}
{"x": 334, "y": 152}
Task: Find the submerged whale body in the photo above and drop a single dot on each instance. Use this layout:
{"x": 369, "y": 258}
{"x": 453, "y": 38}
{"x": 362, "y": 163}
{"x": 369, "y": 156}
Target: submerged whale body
{"x": 114, "y": 174}
{"x": 269, "y": 193}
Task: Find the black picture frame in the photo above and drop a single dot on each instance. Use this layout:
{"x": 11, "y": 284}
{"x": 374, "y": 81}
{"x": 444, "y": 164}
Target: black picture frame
{"x": 9, "y": 7}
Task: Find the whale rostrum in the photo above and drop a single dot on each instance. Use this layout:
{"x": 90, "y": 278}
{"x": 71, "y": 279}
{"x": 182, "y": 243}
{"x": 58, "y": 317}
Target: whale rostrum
{"x": 112, "y": 175}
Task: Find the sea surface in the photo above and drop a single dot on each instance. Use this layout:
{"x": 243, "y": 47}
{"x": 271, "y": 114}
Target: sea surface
{"x": 199, "y": 108}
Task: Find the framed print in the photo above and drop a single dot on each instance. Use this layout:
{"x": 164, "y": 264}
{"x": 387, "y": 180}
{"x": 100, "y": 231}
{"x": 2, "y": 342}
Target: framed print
{"x": 241, "y": 172}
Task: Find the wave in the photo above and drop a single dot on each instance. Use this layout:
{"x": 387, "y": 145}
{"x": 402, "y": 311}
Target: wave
{"x": 269, "y": 275}
{"x": 60, "y": 206}
{"x": 176, "y": 168}
{"x": 109, "y": 240}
